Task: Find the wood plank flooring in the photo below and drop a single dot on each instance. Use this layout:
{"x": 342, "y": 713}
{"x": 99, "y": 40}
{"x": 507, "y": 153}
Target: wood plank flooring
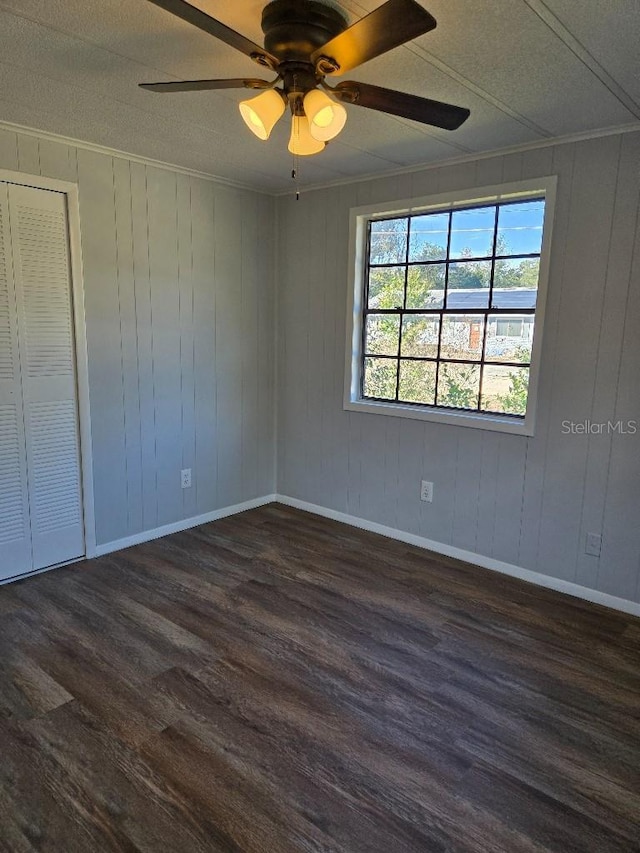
{"x": 277, "y": 682}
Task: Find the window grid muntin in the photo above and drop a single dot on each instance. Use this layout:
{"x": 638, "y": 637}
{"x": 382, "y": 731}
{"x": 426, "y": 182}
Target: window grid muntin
{"x": 404, "y": 305}
{"x": 363, "y": 331}
{"x": 429, "y": 263}
{"x": 444, "y": 306}
{"x": 444, "y": 310}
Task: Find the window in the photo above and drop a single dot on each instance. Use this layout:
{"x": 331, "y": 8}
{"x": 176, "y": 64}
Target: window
{"x": 448, "y": 305}
{"x": 509, "y": 328}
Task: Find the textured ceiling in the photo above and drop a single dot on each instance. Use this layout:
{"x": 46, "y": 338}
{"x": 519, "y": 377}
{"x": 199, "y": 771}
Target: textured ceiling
{"x": 527, "y": 69}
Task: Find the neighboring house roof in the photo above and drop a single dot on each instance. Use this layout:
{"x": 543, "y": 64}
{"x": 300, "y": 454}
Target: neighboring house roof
{"x": 515, "y": 297}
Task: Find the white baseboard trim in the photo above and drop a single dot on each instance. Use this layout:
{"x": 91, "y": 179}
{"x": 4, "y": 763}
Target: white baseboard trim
{"x": 177, "y": 526}
{"x": 556, "y": 584}
{"x": 567, "y": 587}
{"x": 34, "y": 572}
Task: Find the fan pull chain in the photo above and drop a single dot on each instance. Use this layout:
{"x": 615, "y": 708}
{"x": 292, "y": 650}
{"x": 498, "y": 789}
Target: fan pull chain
{"x": 294, "y": 175}
{"x": 296, "y": 159}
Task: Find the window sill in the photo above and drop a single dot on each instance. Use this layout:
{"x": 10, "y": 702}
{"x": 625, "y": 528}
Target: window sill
{"x": 493, "y": 423}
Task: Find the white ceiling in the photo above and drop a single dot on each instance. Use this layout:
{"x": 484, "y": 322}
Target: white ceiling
{"x": 527, "y": 69}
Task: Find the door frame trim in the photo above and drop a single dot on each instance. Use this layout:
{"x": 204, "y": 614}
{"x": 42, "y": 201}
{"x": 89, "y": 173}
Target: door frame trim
{"x": 70, "y": 191}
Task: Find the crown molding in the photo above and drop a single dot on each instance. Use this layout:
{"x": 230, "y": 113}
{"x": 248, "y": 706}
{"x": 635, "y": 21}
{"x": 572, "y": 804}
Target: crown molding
{"x": 126, "y": 155}
{"x": 469, "y": 158}
{"x": 404, "y": 170}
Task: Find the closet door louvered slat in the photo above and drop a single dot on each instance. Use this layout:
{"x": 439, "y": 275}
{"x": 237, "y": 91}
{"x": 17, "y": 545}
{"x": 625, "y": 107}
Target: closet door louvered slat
{"x": 45, "y": 321}
{"x": 15, "y": 534}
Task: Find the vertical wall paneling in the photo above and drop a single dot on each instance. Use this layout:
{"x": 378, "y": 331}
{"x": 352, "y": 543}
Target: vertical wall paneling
{"x": 439, "y": 455}
{"x": 144, "y": 348}
{"x": 528, "y": 501}
{"x": 512, "y": 457}
{"x": 391, "y": 462}
{"x": 301, "y": 331}
{"x": 150, "y": 238}
{"x": 8, "y": 150}
{"x": 581, "y": 302}
{"x": 325, "y": 325}
{"x": 489, "y": 494}
{"x": 285, "y": 271}
{"x": 99, "y": 252}
{"x": 339, "y": 422}
{"x": 619, "y": 568}
{"x": 409, "y": 473}
{"x": 204, "y": 213}
{"x": 228, "y": 355}
{"x": 186, "y": 322}
{"x": 336, "y": 420}
{"x": 29, "y": 154}
{"x": 127, "y": 310}
{"x": 57, "y": 160}
{"x": 267, "y": 342}
{"x": 467, "y": 490}
{"x": 293, "y": 325}
{"x": 165, "y": 340}
{"x": 315, "y": 355}
{"x": 615, "y": 295}
{"x": 425, "y": 183}
{"x": 354, "y": 451}
{"x": 249, "y": 321}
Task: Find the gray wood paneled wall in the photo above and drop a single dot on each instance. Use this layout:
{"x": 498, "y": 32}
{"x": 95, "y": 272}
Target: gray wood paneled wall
{"x": 179, "y": 292}
{"x": 179, "y": 298}
{"x": 525, "y": 501}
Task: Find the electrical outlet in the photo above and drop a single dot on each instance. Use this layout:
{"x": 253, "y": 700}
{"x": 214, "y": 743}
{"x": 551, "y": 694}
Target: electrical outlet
{"x": 426, "y": 491}
{"x": 185, "y": 478}
{"x": 593, "y": 544}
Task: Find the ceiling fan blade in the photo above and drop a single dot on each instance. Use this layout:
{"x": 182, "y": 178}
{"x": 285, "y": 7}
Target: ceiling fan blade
{"x": 436, "y": 113}
{"x": 216, "y": 28}
{"x": 390, "y": 25}
{"x": 205, "y": 85}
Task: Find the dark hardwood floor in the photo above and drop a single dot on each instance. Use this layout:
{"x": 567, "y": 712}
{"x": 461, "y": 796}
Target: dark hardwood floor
{"x": 279, "y": 682}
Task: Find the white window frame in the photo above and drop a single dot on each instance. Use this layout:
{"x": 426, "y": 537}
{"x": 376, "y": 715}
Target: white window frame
{"x": 359, "y": 220}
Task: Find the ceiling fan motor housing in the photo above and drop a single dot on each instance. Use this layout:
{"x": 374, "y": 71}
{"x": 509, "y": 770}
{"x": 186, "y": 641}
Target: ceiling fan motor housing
{"x": 294, "y": 29}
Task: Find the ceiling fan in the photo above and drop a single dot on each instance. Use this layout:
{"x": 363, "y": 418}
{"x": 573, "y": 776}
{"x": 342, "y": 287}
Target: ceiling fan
{"x": 304, "y": 42}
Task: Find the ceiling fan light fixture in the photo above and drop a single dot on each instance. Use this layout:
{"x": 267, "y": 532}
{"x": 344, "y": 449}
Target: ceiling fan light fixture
{"x": 326, "y": 116}
{"x": 261, "y": 113}
{"x": 301, "y": 142}
{"x": 305, "y": 41}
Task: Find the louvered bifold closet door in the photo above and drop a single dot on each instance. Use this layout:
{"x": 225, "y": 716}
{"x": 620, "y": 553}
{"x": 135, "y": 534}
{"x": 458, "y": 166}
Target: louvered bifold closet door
{"x": 45, "y": 329}
{"x": 15, "y": 533}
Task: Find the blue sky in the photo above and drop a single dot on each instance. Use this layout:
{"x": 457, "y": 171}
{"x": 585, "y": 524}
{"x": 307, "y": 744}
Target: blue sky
{"x": 519, "y": 224}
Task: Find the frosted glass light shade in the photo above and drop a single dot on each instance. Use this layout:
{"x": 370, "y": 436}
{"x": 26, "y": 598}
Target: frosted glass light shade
{"x": 301, "y": 142}
{"x": 326, "y": 117}
{"x": 262, "y": 112}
